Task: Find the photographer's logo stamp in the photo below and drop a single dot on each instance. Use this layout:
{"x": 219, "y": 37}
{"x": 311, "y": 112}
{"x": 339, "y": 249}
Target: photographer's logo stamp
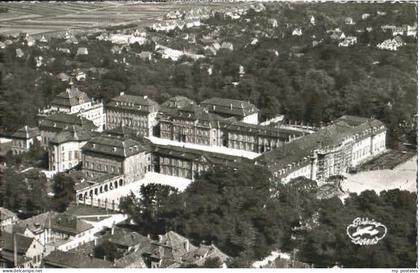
{"x": 366, "y": 232}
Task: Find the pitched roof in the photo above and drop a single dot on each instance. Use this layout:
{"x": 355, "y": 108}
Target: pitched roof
{"x": 229, "y": 107}
{"x": 194, "y": 154}
{"x": 134, "y": 103}
{"x": 26, "y": 132}
{"x": 59, "y": 121}
{"x": 202, "y": 253}
{"x": 329, "y": 136}
{"x": 126, "y": 237}
{"x": 114, "y": 145}
{"x": 36, "y": 224}
{"x": 74, "y": 260}
{"x": 23, "y": 242}
{"x": 195, "y": 112}
{"x": 68, "y": 224}
{"x": 174, "y": 247}
{"x": 177, "y": 102}
{"x": 260, "y": 130}
{"x": 71, "y": 97}
{"x": 6, "y": 214}
{"x": 85, "y": 210}
{"x": 72, "y": 134}
{"x": 132, "y": 260}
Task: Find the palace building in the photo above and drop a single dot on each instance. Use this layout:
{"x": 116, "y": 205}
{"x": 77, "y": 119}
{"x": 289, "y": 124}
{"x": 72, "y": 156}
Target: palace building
{"x": 256, "y": 138}
{"x": 332, "y": 150}
{"x": 115, "y": 154}
{"x": 136, "y": 112}
{"x": 187, "y": 163}
{"x": 73, "y": 101}
{"x": 64, "y": 151}
{"x": 192, "y": 124}
{"x": 55, "y": 123}
{"x": 241, "y": 110}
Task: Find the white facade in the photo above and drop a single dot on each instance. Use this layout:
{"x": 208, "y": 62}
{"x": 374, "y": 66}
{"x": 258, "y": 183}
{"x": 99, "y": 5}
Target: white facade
{"x": 64, "y": 156}
{"x": 251, "y": 119}
{"x": 20, "y": 146}
{"x": 368, "y": 147}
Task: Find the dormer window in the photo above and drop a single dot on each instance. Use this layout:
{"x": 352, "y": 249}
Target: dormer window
{"x": 114, "y": 149}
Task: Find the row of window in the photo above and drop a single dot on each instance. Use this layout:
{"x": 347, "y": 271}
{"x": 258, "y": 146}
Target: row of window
{"x": 102, "y": 167}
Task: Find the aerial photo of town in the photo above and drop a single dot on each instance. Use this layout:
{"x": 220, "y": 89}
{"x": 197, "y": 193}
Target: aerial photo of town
{"x": 208, "y": 134}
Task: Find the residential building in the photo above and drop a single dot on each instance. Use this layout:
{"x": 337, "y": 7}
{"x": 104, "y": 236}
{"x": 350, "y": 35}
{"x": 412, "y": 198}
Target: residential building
{"x": 136, "y": 112}
{"x": 204, "y": 253}
{"x": 19, "y": 251}
{"x": 348, "y": 41}
{"x": 332, "y": 150}
{"x": 391, "y": 44}
{"x": 73, "y": 101}
{"x": 126, "y": 240}
{"x": 7, "y": 217}
{"x": 297, "y": 32}
{"x": 241, "y": 110}
{"x": 114, "y": 154}
{"x": 51, "y": 125}
{"x": 23, "y": 139}
{"x": 99, "y": 218}
{"x": 65, "y": 148}
{"x": 68, "y": 232}
{"x": 169, "y": 250}
{"x": 37, "y": 227}
{"x": 61, "y": 259}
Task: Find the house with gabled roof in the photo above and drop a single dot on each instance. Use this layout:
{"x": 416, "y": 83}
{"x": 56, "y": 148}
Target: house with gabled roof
{"x": 24, "y": 138}
{"x": 7, "y": 217}
{"x": 203, "y": 253}
{"x": 61, "y": 259}
{"x": 19, "y": 251}
{"x": 169, "y": 249}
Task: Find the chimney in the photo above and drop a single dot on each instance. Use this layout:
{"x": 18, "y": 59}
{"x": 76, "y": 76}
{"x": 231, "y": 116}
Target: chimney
{"x": 112, "y": 229}
{"x": 15, "y": 263}
{"x": 231, "y": 106}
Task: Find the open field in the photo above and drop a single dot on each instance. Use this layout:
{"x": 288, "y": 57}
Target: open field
{"x": 49, "y": 19}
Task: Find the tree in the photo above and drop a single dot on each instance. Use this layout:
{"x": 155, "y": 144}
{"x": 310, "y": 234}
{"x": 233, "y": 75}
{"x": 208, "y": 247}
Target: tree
{"x": 24, "y": 192}
{"x": 64, "y": 192}
{"x": 328, "y": 244}
{"x": 107, "y": 250}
